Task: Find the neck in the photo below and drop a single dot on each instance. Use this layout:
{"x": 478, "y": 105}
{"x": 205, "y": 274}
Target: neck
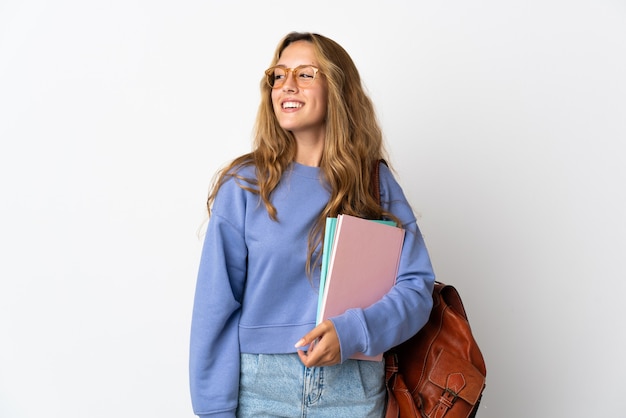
{"x": 309, "y": 150}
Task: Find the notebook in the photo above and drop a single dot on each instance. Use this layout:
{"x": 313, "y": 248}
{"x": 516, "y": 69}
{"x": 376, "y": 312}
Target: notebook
{"x": 359, "y": 265}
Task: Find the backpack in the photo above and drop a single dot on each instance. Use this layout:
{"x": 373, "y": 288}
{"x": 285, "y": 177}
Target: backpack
{"x": 440, "y": 371}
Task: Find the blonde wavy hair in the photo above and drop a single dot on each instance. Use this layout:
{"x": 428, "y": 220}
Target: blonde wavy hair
{"x": 353, "y": 143}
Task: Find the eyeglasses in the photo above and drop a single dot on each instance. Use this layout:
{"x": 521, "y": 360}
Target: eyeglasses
{"x": 303, "y": 74}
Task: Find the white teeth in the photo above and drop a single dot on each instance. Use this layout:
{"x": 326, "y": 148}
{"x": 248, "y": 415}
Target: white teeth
{"x": 291, "y": 105}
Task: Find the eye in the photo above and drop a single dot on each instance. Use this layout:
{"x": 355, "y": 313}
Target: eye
{"x": 306, "y": 73}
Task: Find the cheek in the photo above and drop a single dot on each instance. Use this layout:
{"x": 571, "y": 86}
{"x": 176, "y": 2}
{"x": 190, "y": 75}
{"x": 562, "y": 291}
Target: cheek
{"x": 323, "y": 99}
{"x": 322, "y": 104}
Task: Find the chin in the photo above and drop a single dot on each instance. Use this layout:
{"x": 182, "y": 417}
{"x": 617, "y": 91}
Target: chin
{"x": 289, "y": 126}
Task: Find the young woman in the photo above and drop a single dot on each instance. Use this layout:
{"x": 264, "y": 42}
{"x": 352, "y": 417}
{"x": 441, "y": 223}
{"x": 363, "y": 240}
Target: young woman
{"x": 317, "y": 139}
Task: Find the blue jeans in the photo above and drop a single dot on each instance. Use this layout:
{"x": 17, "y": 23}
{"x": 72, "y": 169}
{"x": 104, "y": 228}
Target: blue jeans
{"x": 278, "y": 385}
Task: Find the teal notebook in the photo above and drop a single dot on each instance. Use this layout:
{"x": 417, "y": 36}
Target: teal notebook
{"x": 329, "y": 237}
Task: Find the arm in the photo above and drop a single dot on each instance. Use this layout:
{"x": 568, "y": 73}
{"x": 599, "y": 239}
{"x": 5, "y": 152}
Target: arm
{"x": 214, "y": 345}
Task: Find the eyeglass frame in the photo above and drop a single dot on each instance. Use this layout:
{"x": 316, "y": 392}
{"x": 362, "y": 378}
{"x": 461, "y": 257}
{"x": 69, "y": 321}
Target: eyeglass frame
{"x": 269, "y": 73}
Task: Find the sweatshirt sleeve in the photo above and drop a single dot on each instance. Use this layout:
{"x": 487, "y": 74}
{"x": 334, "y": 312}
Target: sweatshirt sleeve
{"x": 214, "y": 344}
{"x": 406, "y": 308}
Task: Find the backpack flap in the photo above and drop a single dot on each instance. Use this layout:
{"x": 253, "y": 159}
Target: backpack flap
{"x": 458, "y": 377}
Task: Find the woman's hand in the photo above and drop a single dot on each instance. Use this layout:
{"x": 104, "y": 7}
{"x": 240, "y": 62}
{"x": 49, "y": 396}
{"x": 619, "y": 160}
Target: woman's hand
{"x": 324, "y": 348}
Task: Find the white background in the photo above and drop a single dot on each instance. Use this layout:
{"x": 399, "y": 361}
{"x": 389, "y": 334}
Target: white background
{"x": 505, "y": 121}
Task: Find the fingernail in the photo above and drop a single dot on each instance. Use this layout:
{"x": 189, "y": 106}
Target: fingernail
{"x": 300, "y": 343}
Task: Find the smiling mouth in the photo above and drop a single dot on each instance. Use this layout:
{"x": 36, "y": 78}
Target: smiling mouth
{"x": 292, "y": 105}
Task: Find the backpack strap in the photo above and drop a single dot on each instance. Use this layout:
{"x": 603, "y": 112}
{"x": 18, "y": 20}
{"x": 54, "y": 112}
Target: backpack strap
{"x": 375, "y": 179}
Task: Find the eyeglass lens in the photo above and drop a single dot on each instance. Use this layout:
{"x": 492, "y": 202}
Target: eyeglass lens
{"x": 304, "y": 76}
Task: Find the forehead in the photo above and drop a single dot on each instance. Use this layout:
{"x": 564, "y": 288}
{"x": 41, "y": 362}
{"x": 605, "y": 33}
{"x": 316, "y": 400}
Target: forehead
{"x": 298, "y": 53}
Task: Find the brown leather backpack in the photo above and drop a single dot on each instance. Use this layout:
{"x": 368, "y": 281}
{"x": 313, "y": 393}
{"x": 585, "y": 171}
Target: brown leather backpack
{"x": 440, "y": 371}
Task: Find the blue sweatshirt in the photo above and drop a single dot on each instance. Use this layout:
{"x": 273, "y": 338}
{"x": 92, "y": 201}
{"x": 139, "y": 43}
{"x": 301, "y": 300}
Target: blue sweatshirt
{"x": 253, "y": 294}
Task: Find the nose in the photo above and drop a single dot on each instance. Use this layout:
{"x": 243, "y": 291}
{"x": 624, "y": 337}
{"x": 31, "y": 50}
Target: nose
{"x": 290, "y": 82}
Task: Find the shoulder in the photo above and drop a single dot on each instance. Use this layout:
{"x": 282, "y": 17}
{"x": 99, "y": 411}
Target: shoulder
{"x": 392, "y": 196}
{"x": 388, "y": 183}
{"x": 236, "y": 184}
{"x": 241, "y": 172}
